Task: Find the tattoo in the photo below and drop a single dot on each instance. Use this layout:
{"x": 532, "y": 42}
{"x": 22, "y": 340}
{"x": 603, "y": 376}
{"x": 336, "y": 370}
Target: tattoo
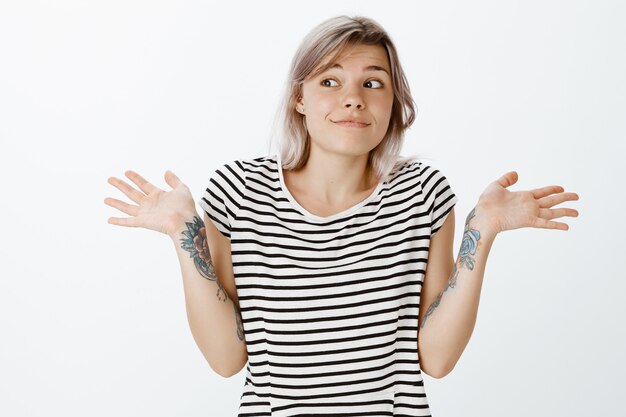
{"x": 469, "y": 242}
{"x": 195, "y": 243}
{"x": 468, "y": 248}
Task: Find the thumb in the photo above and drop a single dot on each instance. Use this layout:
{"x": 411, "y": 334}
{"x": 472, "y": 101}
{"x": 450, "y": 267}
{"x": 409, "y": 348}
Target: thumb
{"x": 508, "y": 179}
{"x": 171, "y": 179}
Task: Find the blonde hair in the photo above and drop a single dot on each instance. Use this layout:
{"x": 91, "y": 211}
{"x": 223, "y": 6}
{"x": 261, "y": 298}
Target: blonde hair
{"x": 332, "y": 38}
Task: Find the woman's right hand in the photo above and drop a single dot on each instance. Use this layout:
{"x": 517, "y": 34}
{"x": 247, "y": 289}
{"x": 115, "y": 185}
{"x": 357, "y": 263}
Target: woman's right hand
{"x": 156, "y": 209}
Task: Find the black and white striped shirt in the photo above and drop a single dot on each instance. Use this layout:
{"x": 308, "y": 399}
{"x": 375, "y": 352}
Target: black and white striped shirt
{"x": 329, "y": 304}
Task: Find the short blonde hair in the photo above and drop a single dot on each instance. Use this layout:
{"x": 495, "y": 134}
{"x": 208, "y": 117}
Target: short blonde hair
{"x": 332, "y": 38}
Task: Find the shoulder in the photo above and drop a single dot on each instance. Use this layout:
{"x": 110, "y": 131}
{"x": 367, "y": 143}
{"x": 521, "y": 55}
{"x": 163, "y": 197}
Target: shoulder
{"x": 231, "y": 170}
{"x": 431, "y": 177}
{"x": 412, "y": 168}
{"x": 241, "y": 169}
{"x": 405, "y": 169}
{"x": 267, "y": 163}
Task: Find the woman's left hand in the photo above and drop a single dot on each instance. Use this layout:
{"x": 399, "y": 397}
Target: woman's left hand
{"x": 508, "y": 210}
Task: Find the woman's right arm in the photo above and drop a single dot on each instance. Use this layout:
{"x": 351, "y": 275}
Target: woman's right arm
{"x": 204, "y": 255}
{"x": 210, "y": 294}
{"x": 212, "y": 308}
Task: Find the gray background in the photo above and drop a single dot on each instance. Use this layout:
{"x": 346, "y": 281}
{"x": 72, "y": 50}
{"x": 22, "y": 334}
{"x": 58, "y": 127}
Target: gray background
{"x": 92, "y": 316}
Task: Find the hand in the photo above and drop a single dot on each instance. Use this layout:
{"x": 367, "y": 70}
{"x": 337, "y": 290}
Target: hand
{"x": 508, "y": 210}
{"x": 157, "y": 209}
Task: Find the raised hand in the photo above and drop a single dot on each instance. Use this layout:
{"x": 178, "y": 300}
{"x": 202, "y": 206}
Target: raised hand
{"x": 508, "y": 210}
{"x": 156, "y": 209}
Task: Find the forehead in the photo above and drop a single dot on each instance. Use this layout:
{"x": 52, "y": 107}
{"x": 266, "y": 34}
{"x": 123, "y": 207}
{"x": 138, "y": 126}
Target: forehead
{"x": 363, "y": 55}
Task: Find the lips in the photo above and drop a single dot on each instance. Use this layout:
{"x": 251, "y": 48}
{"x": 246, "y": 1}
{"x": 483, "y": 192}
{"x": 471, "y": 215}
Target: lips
{"x": 351, "y": 123}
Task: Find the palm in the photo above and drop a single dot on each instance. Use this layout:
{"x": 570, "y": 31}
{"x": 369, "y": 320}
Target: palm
{"x": 510, "y": 210}
{"x": 159, "y": 205}
{"x": 155, "y": 209}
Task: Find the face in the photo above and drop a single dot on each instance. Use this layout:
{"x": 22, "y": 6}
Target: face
{"x": 358, "y": 88}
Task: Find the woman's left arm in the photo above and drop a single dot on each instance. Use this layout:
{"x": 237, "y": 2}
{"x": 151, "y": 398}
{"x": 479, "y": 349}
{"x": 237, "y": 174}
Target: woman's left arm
{"x": 447, "y": 319}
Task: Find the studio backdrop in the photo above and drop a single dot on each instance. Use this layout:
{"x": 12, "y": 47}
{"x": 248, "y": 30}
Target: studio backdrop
{"x": 92, "y": 315}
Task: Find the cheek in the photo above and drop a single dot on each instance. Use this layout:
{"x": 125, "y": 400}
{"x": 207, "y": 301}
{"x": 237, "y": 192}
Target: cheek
{"x": 323, "y": 107}
{"x": 383, "y": 108}
{"x": 389, "y": 102}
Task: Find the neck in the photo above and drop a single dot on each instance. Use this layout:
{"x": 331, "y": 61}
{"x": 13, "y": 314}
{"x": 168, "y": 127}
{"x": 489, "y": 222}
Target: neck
{"x": 334, "y": 178}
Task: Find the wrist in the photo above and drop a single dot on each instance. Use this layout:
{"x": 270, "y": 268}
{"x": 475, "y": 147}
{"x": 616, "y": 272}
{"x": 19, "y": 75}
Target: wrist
{"x": 182, "y": 222}
{"x": 482, "y": 220}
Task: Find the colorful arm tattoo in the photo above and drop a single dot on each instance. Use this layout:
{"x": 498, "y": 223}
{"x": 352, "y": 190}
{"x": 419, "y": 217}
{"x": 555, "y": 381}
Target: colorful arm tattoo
{"x": 195, "y": 243}
{"x": 468, "y": 248}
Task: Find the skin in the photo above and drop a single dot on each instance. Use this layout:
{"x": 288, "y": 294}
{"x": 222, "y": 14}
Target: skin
{"x": 194, "y": 241}
{"x": 336, "y": 174}
{"x": 471, "y": 238}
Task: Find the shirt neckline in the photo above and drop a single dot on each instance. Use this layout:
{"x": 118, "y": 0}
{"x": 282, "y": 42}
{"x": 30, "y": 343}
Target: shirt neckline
{"x": 312, "y": 216}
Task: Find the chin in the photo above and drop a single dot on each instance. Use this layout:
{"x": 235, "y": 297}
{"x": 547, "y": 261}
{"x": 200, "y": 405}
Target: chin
{"x": 354, "y": 150}
{"x": 349, "y": 145}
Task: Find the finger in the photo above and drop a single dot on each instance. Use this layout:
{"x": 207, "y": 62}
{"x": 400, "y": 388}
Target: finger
{"x": 508, "y": 179}
{"x": 544, "y": 191}
{"x": 129, "y": 191}
{"x": 555, "y": 213}
{"x": 123, "y": 221}
{"x": 557, "y": 199}
{"x": 122, "y": 206}
{"x": 547, "y": 224}
{"x": 143, "y": 184}
{"x": 171, "y": 179}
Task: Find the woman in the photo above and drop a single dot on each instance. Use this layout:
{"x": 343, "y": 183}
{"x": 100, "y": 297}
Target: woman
{"x": 336, "y": 253}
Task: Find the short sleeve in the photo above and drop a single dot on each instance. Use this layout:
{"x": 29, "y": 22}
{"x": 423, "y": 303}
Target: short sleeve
{"x": 438, "y": 196}
{"x": 223, "y": 195}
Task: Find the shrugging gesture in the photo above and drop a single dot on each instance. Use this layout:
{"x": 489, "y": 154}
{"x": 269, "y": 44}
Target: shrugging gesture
{"x": 508, "y": 210}
{"x": 448, "y": 318}
{"x": 212, "y": 308}
{"x": 156, "y": 209}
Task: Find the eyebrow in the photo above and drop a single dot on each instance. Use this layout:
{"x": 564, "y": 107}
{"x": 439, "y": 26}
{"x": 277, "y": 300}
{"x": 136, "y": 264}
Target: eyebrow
{"x": 368, "y": 68}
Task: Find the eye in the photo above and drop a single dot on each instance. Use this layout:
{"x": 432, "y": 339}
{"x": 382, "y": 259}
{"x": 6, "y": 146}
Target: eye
{"x": 375, "y": 81}
{"x": 323, "y": 82}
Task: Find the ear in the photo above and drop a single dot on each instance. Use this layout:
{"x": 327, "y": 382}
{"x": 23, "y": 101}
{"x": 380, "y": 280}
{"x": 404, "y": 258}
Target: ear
{"x": 300, "y": 105}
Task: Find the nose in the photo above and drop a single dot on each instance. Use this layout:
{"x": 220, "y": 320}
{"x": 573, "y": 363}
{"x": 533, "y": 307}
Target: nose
{"x": 358, "y": 105}
{"x": 353, "y": 99}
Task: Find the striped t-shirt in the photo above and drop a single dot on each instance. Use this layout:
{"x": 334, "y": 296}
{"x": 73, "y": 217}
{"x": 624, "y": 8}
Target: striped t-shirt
{"x": 329, "y": 304}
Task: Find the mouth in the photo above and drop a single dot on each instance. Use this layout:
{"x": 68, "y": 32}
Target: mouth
{"x": 351, "y": 123}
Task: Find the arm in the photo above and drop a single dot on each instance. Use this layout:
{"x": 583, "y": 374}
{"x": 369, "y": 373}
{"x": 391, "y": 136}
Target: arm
{"x": 212, "y": 308}
{"x": 451, "y": 292}
{"x": 204, "y": 255}
{"x": 452, "y": 304}
{"x": 451, "y": 308}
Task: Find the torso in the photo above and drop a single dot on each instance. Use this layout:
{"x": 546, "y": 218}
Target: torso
{"x": 329, "y": 306}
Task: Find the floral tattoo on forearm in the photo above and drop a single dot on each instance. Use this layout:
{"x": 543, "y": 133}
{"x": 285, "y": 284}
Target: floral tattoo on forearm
{"x": 194, "y": 242}
{"x": 465, "y": 258}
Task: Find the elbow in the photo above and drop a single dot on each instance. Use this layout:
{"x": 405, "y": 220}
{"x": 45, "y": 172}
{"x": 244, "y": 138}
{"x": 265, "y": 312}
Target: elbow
{"x": 438, "y": 373}
{"x": 228, "y": 374}
{"x": 437, "y": 370}
{"x": 225, "y": 373}
{"x": 434, "y": 362}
